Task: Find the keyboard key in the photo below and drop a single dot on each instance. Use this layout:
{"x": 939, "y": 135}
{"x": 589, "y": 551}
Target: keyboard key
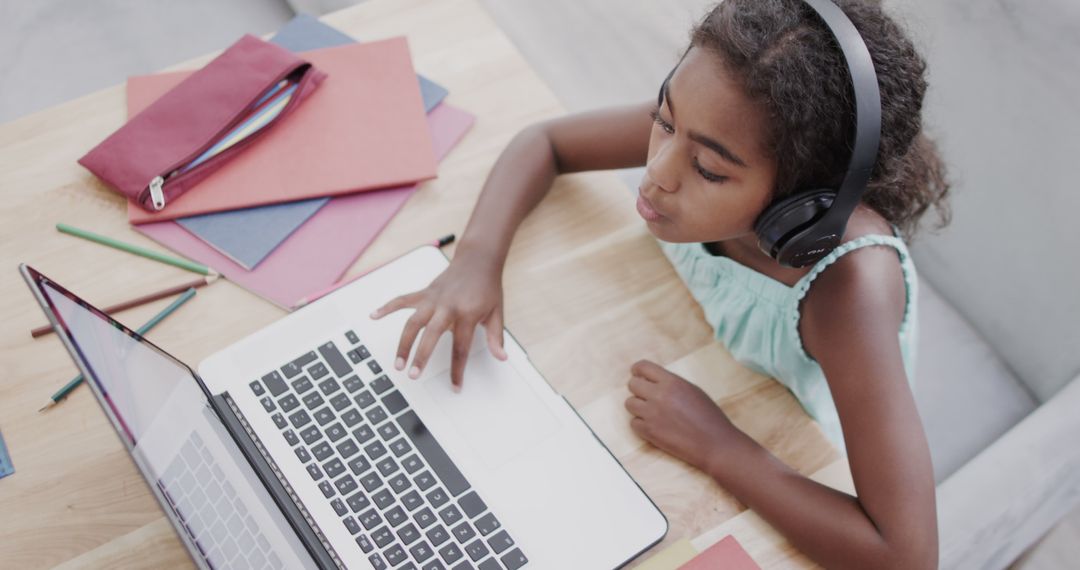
{"x": 395, "y": 555}
{"x": 400, "y": 447}
{"x": 374, "y": 367}
{"x": 267, "y": 403}
{"x": 381, "y": 384}
{"x": 352, "y": 384}
{"x": 363, "y": 434}
{"x": 300, "y": 419}
{"x": 302, "y": 361}
{"x": 436, "y": 457}
{"x": 435, "y": 564}
{"x": 314, "y": 471}
{"x": 329, "y": 386}
{"x": 412, "y": 463}
{"x": 450, "y": 553}
{"x": 324, "y": 415}
{"x": 394, "y": 402}
{"x": 359, "y": 465}
{"x": 514, "y": 559}
{"x": 421, "y": 552}
{"x": 438, "y": 535}
{"x": 364, "y": 399}
{"x": 383, "y": 499}
{"x": 279, "y": 421}
{"x": 388, "y": 430}
{"x": 334, "y": 467}
{"x": 358, "y": 501}
{"x": 351, "y": 336}
{"x": 370, "y": 519}
{"x": 424, "y": 480}
{"x": 340, "y": 402}
{"x": 500, "y": 542}
{"x": 358, "y": 355}
{"x": 327, "y": 489}
{"x": 348, "y": 448}
{"x": 288, "y": 403}
{"x": 476, "y": 550}
{"x": 290, "y": 437}
{"x": 333, "y": 356}
{"x": 257, "y": 388}
{"x": 472, "y": 504}
{"x": 412, "y": 500}
{"x": 302, "y": 454}
{"x": 375, "y": 415}
{"x": 335, "y": 431}
{"x": 346, "y": 484}
{"x": 450, "y": 515}
{"x": 313, "y": 400}
{"x": 374, "y": 450}
{"x": 489, "y": 564}
{"x": 382, "y": 537}
{"x": 339, "y": 507}
{"x": 311, "y": 434}
{"x": 437, "y": 498}
{"x": 364, "y": 544}
{"x": 487, "y": 524}
{"x": 399, "y": 483}
{"x": 371, "y": 481}
{"x": 322, "y": 450}
{"x": 408, "y": 534}
{"x": 395, "y": 516}
{"x": 377, "y": 562}
{"x": 463, "y": 532}
{"x": 424, "y": 518}
{"x": 387, "y": 466}
{"x": 275, "y": 383}
{"x": 318, "y": 371}
{"x": 352, "y": 417}
{"x": 350, "y": 523}
{"x": 302, "y": 385}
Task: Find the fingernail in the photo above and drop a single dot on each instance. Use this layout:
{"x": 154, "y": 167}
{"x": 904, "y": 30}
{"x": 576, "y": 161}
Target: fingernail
{"x": 414, "y": 373}
{"x": 399, "y": 363}
{"x": 374, "y": 314}
{"x": 455, "y": 388}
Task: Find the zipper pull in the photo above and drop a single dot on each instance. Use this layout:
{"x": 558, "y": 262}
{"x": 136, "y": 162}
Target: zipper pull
{"x": 156, "y": 195}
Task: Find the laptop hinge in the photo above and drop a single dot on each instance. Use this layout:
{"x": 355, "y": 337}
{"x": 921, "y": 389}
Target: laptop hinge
{"x": 279, "y": 488}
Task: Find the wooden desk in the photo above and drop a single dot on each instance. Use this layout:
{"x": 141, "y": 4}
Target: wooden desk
{"x": 588, "y": 292}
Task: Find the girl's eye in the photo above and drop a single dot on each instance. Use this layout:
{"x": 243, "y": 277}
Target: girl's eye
{"x": 668, "y": 128}
{"x": 708, "y": 175}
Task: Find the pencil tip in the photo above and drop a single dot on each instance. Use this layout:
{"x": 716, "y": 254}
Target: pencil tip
{"x": 212, "y": 276}
{"x": 46, "y": 406}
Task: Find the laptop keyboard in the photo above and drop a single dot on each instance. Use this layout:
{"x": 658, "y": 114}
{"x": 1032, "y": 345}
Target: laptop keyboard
{"x": 217, "y": 522}
{"x": 386, "y": 476}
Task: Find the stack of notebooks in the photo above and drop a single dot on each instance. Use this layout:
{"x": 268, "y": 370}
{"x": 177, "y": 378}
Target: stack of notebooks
{"x": 287, "y": 217}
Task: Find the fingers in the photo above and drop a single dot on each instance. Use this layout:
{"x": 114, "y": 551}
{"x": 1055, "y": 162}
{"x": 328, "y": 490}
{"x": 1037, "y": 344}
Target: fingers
{"x": 636, "y": 406}
{"x": 463, "y": 336}
{"x": 650, "y": 370}
{"x": 408, "y": 336}
{"x": 642, "y": 387}
{"x": 494, "y": 325}
{"x": 395, "y": 304}
{"x": 434, "y": 329}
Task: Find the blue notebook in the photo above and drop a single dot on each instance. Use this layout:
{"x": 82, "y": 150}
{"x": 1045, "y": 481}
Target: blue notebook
{"x": 247, "y": 236}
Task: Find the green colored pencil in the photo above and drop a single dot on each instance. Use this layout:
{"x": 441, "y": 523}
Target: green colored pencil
{"x": 105, "y": 240}
{"x": 63, "y": 392}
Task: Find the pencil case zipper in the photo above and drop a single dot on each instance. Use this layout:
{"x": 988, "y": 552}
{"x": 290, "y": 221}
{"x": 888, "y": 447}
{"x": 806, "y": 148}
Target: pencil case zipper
{"x": 157, "y": 190}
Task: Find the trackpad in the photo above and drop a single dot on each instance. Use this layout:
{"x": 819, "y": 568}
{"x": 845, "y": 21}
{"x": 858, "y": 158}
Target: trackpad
{"x": 497, "y": 412}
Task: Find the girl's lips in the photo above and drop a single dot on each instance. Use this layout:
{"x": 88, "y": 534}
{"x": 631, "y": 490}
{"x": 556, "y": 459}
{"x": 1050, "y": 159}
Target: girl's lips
{"x": 646, "y": 210}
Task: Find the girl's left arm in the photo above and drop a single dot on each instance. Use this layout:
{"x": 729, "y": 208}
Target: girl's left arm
{"x": 849, "y": 324}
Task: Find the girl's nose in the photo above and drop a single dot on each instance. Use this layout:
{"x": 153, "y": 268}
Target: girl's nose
{"x": 661, "y": 171}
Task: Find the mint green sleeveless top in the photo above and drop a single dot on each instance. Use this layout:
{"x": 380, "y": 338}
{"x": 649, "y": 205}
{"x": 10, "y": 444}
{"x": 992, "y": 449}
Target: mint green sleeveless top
{"x": 757, "y": 319}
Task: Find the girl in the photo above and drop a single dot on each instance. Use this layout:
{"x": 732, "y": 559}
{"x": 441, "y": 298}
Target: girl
{"x": 759, "y": 106}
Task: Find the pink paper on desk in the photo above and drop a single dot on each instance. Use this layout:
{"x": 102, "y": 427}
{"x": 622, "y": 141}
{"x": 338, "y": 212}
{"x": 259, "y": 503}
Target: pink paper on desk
{"x": 317, "y": 254}
{"x": 362, "y": 129}
{"x": 727, "y": 554}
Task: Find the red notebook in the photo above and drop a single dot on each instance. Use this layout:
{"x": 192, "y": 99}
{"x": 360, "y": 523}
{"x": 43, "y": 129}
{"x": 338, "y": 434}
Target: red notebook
{"x": 727, "y": 554}
{"x": 364, "y": 128}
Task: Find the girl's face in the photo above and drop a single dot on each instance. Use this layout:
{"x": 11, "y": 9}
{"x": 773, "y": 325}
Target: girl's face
{"x": 707, "y": 176}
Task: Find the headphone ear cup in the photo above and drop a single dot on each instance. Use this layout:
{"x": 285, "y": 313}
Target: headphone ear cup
{"x": 785, "y": 219}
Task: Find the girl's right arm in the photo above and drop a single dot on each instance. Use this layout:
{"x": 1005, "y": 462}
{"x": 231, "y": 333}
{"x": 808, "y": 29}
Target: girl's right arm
{"x": 469, "y": 292}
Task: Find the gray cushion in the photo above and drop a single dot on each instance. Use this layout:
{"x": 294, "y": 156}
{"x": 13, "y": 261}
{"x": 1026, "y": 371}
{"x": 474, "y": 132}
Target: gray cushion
{"x": 966, "y": 395}
{"x": 1004, "y": 80}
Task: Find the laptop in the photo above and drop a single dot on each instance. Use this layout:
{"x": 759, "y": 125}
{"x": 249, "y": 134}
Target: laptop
{"x": 297, "y": 447}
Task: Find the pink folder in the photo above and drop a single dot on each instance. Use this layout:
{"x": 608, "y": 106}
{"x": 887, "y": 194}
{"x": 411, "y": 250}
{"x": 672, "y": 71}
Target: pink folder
{"x": 317, "y": 254}
{"x": 364, "y": 128}
{"x": 727, "y": 554}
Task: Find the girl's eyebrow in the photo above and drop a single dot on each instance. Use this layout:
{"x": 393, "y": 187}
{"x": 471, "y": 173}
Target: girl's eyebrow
{"x": 699, "y": 138}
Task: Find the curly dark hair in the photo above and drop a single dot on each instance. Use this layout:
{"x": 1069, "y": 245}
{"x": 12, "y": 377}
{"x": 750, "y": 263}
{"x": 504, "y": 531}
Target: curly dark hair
{"x": 788, "y": 60}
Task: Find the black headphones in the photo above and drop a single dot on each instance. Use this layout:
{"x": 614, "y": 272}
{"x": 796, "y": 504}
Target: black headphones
{"x": 804, "y": 227}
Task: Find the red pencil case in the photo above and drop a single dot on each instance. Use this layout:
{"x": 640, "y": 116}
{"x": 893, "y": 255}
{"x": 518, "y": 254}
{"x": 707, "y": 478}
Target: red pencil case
{"x": 179, "y": 140}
